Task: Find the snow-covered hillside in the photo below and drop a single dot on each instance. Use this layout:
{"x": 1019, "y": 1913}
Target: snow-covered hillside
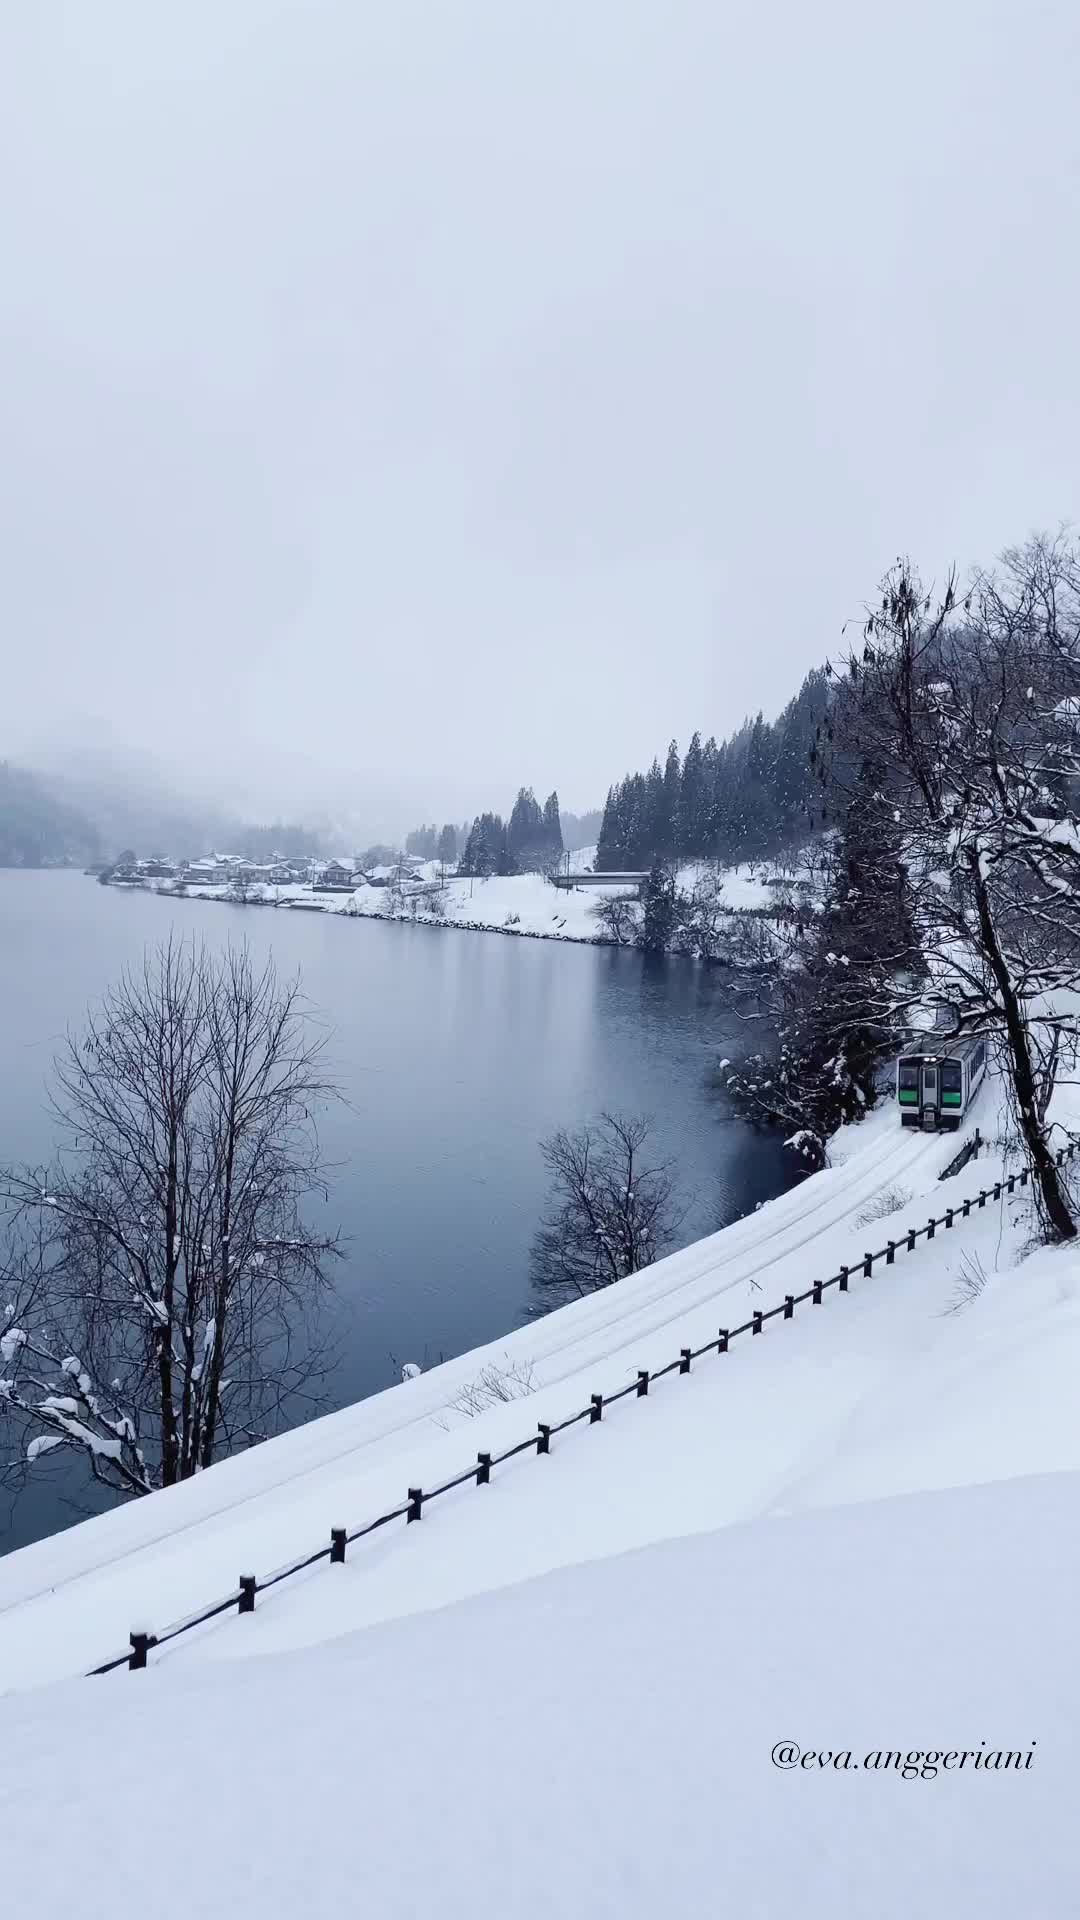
{"x": 560, "y": 1692}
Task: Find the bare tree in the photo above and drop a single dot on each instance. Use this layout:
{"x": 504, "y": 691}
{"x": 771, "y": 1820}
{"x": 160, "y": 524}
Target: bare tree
{"x": 971, "y": 709}
{"x": 703, "y": 923}
{"x": 163, "y": 1279}
{"x": 610, "y": 1213}
{"x": 618, "y": 918}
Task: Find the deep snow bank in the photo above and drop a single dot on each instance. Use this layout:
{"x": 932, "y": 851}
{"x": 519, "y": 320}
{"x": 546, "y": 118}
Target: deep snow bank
{"x": 598, "y": 1741}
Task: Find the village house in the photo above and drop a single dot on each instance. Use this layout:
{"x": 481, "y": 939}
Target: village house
{"x": 336, "y": 873}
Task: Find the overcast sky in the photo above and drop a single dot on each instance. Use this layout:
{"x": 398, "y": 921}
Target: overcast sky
{"x": 410, "y": 400}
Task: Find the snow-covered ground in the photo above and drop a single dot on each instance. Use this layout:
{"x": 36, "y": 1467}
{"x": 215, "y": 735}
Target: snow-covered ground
{"x": 598, "y": 1741}
{"x": 523, "y": 903}
{"x": 559, "y": 1693}
{"x": 69, "y": 1601}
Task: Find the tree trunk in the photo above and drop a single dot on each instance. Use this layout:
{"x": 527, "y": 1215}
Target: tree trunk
{"x": 1044, "y": 1166}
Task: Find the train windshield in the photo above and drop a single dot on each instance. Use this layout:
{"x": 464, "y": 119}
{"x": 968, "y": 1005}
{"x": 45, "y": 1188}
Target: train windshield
{"x": 952, "y": 1077}
{"x": 909, "y": 1076}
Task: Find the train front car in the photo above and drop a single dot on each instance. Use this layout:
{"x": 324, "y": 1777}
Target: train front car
{"x": 935, "y": 1088}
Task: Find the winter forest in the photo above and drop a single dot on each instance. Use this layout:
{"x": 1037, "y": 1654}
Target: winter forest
{"x": 744, "y": 797}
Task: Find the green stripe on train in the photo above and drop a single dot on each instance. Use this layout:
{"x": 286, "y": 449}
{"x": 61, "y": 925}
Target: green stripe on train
{"x": 911, "y": 1099}
{"x": 952, "y": 1099}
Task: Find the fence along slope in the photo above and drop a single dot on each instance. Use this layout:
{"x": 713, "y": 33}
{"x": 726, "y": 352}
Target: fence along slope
{"x": 248, "y": 1586}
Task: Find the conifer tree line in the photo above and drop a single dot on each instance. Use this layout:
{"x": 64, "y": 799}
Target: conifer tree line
{"x": 434, "y": 843}
{"x": 743, "y": 796}
{"x": 530, "y": 841}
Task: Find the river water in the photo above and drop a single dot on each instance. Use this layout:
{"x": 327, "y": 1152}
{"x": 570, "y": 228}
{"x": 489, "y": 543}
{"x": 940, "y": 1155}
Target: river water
{"x": 456, "y": 1053}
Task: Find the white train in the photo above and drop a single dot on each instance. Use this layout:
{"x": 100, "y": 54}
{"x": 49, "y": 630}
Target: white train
{"x": 937, "y": 1078}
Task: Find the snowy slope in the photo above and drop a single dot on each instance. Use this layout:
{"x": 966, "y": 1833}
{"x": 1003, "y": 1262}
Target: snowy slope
{"x": 598, "y": 1741}
{"x": 773, "y": 1415}
{"x": 561, "y": 1693}
{"x": 524, "y": 903}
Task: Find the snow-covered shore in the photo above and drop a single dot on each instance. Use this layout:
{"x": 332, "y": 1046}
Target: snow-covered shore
{"x": 524, "y": 905}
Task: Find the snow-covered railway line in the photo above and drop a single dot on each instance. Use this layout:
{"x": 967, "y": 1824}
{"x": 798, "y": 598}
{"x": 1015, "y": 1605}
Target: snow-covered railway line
{"x": 591, "y": 1336}
{"x": 722, "y": 1271}
{"x": 586, "y": 1372}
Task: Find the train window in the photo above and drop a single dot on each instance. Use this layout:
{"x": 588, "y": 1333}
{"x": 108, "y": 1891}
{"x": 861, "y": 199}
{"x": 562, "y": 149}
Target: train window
{"x": 909, "y": 1077}
{"x": 952, "y": 1077}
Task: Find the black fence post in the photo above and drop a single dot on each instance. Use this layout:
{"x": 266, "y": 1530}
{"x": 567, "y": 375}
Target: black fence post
{"x": 997, "y": 1189}
{"x": 982, "y": 1196}
{"x": 246, "y": 1603}
{"x": 789, "y": 1305}
{"x": 543, "y": 1437}
{"x": 416, "y": 1505}
{"x": 868, "y": 1265}
{"x": 948, "y": 1216}
{"x": 756, "y": 1324}
{"x": 337, "y": 1546}
{"x": 722, "y": 1346}
{"x": 642, "y": 1382}
{"x": 137, "y": 1657}
{"x": 684, "y": 1359}
{"x": 483, "y": 1469}
{"x": 843, "y": 1279}
{"x": 816, "y": 1295}
{"x": 1023, "y": 1176}
{"x": 976, "y": 1144}
{"x": 930, "y": 1225}
{"x": 911, "y": 1240}
{"x": 1011, "y": 1183}
{"x": 967, "y": 1209}
{"x": 596, "y": 1408}
{"x": 890, "y": 1253}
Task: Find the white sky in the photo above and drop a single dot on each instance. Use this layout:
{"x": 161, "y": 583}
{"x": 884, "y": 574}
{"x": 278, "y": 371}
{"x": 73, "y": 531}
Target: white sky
{"x": 415, "y": 399}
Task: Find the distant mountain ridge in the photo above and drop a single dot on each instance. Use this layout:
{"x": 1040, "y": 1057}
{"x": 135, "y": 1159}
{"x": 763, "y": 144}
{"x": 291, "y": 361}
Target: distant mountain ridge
{"x": 38, "y": 828}
{"x": 67, "y": 819}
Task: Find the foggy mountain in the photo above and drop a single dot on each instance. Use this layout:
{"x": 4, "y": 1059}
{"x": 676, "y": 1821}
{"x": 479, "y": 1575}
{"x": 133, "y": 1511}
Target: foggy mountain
{"x": 38, "y": 827}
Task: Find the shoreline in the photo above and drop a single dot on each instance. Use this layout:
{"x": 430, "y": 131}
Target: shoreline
{"x": 344, "y": 912}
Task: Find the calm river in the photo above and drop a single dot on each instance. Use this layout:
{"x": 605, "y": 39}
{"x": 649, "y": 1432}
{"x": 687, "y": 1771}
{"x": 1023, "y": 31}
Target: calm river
{"x": 456, "y": 1052}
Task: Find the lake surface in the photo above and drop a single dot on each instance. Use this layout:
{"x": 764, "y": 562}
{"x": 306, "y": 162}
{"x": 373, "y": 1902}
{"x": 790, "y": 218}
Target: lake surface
{"x": 456, "y": 1052}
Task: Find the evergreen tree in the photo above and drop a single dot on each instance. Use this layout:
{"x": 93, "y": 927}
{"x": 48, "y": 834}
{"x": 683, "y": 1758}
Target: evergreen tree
{"x": 553, "y": 836}
{"x": 525, "y": 832}
{"x": 826, "y": 989}
{"x": 448, "y": 844}
{"x": 635, "y": 816}
{"x": 423, "y": 842}
{"x": 669, "y": 805}
{"x": 487, "y": 848}
{"x": 654, "y": 830}
{"x": 658, "y": 917}
{"x": 607, "y": 845}
{"x": 690, "y": 816}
